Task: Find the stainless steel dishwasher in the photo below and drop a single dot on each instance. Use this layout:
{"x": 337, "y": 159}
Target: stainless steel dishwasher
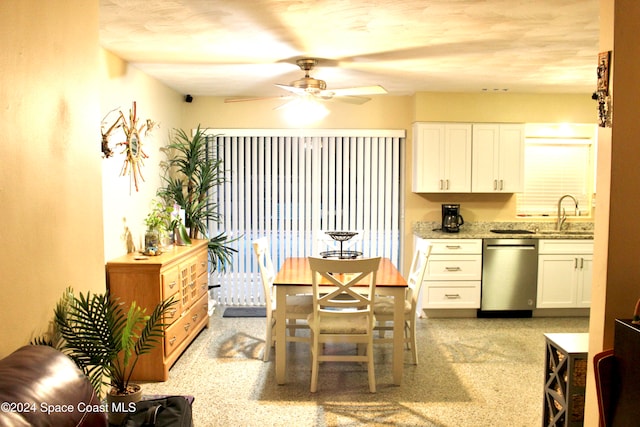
{"x": 509, "y": 275}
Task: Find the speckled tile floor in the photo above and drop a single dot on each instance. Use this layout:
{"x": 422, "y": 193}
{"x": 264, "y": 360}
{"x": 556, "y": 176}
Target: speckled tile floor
{"x": 472, "y": 372}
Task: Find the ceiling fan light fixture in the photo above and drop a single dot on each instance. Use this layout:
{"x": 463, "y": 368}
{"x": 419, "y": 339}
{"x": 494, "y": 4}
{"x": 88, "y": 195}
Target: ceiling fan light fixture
{"x": 305, "y": 111}
{"x": 310, "y": 84}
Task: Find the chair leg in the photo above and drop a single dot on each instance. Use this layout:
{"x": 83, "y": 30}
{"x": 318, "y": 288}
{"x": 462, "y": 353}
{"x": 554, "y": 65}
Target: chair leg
{"x": 381, "y": 331}
{"x": 411, "y": 338}
{"x": 292, "y": 329}
{"x": 268, "y": 341}
{"x": 371, "y": 368}
{"x": 315, "y": 349}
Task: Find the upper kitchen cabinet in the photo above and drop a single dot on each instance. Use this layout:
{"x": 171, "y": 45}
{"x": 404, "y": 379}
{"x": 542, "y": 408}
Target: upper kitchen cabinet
{"x": 498, "y": 158}
{"x": 442, "y": 158}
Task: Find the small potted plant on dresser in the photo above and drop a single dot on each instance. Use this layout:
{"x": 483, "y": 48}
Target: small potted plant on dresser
{"x": 106, "y": 341}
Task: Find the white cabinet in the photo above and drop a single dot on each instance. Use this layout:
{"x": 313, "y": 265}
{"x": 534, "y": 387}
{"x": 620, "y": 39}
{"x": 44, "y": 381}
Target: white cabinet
{"x": 453, "y": 275}
{"x": 441, "y": 158}
{"x": 498, "y": 158}
{"x": 465, "y": 158}
{"x": 564, "y": 273}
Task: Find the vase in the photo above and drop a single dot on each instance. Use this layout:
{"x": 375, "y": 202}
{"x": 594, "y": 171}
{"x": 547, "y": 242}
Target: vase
{"x": 152, "y": 242}
{"x": 120, "y": 405}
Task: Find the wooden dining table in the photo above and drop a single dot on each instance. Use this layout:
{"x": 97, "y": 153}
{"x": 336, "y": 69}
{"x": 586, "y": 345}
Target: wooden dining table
{"x": 295, "y": 278}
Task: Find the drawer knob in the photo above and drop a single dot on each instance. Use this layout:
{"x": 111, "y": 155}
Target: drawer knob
{"x": 172, "y": 312}
{"x": 172, "y": 340}
{"x": 172, "y": 284}
{"x": 187, "y": 326}
{"x": 194, "y": 317}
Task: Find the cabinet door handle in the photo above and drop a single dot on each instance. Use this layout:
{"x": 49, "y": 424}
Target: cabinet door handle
{"x": 453, "y": 268}
{"x": 495, "y": 184}
{"x": 575, "y": 263}
{"x": 192, "y": 284}
{"x": 581, "y": 263}
{"x": 447, "y": 181}
{"x": 441, "y": 185}
{"x": 452, "y": 296}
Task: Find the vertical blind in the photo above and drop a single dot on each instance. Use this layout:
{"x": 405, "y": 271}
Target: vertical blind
{"x": 292, "y": 185}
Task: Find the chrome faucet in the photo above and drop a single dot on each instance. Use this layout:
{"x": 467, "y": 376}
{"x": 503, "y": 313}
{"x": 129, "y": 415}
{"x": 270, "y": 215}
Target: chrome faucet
{"x": 561, "y": 213}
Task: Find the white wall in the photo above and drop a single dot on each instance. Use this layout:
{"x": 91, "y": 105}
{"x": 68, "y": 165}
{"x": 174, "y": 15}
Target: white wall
{"x": 50, "y": 180}
{"x": 122, "y": 84}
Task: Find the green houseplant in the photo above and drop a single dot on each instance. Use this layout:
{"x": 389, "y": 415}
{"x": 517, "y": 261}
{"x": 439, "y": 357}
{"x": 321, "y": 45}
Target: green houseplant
{"x": 106, "y": 340}
{"x": 191, "y": 175}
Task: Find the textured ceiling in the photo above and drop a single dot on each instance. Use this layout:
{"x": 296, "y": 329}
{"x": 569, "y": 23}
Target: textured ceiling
{"x": 244, "y": 47}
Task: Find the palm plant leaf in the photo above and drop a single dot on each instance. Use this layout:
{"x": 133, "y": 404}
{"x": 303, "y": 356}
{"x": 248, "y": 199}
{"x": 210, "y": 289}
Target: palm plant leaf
{"x": 103, "y": 339}
{"x": 191, "y": 176}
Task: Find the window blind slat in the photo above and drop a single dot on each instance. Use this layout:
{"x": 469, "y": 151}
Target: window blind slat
{"x": 291, "y": 188}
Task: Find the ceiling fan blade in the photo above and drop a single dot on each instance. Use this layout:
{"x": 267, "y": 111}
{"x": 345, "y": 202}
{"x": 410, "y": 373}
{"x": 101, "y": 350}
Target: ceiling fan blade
{"x": 358, "y": 91}
{"x": 358, "y": 100}
{"x": 296, "y": 90}
{"x": 248, "y": 98}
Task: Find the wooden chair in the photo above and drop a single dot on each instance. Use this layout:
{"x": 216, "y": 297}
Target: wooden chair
{"x": 298, "y": 306}
{"x": 342, "y": 313}
{"x": 383, "y": 308}
{"x": 604, "y": 364}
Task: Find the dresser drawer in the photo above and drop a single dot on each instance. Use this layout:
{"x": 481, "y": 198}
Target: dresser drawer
{"x": 176, "y": 333}
{"x": 175, "y": 311}
{"x": 443, "y": 295}
{"x": 202, "y": 263}
{"x": 199, "y": 312}
{"x": 170, "y": 282}
{"x": 459, "y": 267}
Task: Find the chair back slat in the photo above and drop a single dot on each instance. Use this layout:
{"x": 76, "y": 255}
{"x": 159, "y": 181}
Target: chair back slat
{"x": 267, "y": 271}
{"x": 347, "y": 284}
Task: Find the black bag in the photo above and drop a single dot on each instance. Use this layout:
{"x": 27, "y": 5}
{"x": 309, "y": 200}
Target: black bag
{"x": 170, "y": 411}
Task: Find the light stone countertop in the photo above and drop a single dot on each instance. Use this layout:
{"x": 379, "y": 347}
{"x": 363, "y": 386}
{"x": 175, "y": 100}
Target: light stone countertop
{"x": 481, "y": 230}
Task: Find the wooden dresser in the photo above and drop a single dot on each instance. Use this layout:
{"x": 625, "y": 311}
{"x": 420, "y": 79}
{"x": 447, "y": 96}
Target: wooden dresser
{"x": 180, "y": 273}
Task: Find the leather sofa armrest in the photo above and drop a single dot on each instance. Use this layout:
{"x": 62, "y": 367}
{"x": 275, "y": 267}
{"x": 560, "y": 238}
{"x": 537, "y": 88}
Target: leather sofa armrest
{"x": 40, "y": 386}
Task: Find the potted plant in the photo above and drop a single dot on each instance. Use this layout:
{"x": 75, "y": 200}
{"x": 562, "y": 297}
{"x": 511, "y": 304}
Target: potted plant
{"x": 106, "y": 341}
{"x": 191, "y": 175}
{"x": 159, "y": 226}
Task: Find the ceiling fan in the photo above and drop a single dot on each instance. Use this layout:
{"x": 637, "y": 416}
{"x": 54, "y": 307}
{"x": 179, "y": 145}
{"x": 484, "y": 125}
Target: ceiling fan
{"x": 311, "y": 87}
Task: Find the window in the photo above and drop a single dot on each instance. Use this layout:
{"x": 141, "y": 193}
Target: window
{"x": 290, "y": 185}
{"x": 559, "y": 160}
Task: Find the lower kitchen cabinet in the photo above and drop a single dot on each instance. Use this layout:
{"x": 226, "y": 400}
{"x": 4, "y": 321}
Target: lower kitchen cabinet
{"x": 180, "y": 273}
{"x": 453, "y": 276}
{"x": 564, "y": 273}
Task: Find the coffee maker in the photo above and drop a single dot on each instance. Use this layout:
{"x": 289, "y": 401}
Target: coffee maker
{"x": 451, "y": 218}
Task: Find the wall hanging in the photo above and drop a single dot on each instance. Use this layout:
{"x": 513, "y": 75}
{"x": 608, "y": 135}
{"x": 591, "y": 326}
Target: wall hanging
{"x": 602, "y": 90}
{"x": 132, "y": 144}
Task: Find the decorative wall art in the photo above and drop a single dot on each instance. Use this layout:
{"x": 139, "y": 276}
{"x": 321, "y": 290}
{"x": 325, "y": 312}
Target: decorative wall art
{"x": 134, "y": 155}
{"x": 602, "y": 90}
